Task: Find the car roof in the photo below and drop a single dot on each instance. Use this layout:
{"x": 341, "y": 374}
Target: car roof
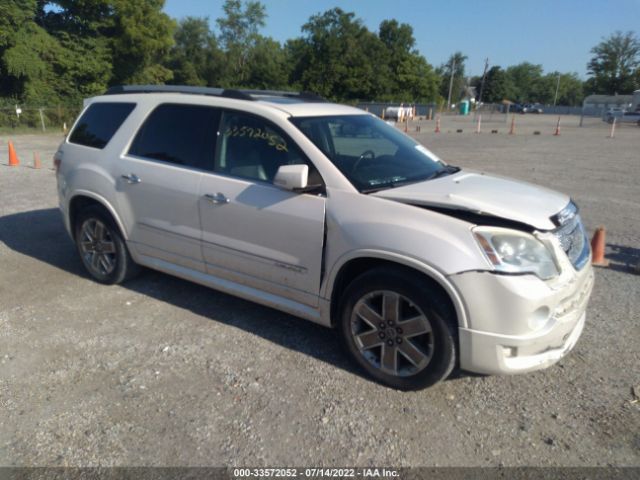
{"x": 295, "y": 104}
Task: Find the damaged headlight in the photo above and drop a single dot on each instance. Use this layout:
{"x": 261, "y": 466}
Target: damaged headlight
{"x": 512, "y": 251}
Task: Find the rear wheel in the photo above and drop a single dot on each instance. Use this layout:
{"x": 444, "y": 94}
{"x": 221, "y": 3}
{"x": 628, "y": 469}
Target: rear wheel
{"x": 101, "y": 247}
{"x": 398, "y": 328}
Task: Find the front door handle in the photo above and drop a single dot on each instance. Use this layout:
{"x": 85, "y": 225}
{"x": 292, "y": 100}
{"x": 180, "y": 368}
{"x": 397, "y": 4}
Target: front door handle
{"x": 218, "y": 198}
{"x": 132, "y": 178}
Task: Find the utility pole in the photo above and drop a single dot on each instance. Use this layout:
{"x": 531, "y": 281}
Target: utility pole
{"x": 555, "y": 99}
{"x": 484, "y": 76}
{"x": 453, "y": 68}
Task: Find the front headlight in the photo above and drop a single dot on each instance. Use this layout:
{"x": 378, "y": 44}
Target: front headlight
{"x": 512, "y": 251}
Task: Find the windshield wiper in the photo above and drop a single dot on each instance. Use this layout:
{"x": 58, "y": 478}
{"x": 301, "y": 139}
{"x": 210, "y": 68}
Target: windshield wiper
{"x": 378, "y": 188}
{"x": 448, "y": 170}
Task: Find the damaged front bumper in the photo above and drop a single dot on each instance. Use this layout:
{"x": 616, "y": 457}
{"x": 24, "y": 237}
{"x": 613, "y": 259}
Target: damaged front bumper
{"x": 519, "y": 323}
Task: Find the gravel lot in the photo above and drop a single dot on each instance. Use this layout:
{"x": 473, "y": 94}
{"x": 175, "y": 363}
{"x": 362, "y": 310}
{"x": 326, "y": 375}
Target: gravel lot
{"x": 161, "y": 371}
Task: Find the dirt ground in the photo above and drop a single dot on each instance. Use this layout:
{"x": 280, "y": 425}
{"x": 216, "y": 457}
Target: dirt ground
{"x": 161, "y": 371}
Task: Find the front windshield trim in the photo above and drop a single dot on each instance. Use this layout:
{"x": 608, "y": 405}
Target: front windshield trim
{"x": 370, "y": 153}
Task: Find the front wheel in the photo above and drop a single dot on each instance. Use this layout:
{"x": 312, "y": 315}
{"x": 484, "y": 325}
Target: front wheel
{"x": 399, "y": 328}
{"x": 101, "y": 247}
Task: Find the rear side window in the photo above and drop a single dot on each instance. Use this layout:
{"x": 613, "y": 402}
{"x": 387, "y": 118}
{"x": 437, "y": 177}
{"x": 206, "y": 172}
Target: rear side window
{"x": 180, "y": 134}
{"x": 99, "y": 123}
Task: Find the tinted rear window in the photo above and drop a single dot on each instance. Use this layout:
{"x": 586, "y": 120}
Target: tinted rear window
{"x": 180, "y": 134}
{"x": 99, "y": 123}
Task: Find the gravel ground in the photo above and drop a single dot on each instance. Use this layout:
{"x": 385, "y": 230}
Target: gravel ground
{"x": 161, "y": 371}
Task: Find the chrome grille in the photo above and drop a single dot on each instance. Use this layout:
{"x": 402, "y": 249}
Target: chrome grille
{"x": 573, "y": 240}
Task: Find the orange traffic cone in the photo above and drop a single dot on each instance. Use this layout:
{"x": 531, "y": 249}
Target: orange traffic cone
{"x": 36, "y": 160}
{"x": 437, "y": 130}
{"x": 512, "y": 130}
{"x": 13, "y": 158}
{"x": 597, "y": 246}
{"x": 557, "y": 132}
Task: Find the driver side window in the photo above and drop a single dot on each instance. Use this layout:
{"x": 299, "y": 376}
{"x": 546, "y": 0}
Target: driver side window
{"x": 252, "y": 148}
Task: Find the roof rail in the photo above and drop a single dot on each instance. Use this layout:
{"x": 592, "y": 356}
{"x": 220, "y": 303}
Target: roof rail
{"x": 309, "y": 96}
{"x": 216, "y": 92}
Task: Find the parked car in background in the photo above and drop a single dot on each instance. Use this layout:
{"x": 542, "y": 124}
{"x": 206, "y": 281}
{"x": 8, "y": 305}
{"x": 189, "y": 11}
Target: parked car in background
{"x": 622, "y": 116}
{"x": 532, "y": 108}
{"x": 513, "y": 108}
{"x": 615, "y": 112}
{"x": 330, "y": 214}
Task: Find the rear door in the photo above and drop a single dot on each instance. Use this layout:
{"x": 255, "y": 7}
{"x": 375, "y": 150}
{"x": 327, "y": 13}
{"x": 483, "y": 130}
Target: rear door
{"x": 254, "y": 232}
{"x": 159, "y": 178}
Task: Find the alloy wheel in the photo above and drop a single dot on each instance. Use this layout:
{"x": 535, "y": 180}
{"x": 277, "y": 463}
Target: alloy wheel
{"x": 97, "y": 247}
{"x": 392, "y": 333}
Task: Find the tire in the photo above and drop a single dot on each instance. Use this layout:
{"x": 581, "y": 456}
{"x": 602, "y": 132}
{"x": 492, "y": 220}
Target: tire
{"x": 410, "y": 347}
{"x": 102, "y": 248}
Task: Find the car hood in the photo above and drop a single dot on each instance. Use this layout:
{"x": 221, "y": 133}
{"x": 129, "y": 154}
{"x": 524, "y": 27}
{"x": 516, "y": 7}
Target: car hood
{"x": 484, "y": 194}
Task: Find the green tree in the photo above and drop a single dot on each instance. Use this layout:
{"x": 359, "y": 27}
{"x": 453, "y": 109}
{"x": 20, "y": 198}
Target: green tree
{"x": 410, "y": 77}
{"x": 141, "y": 39}
{"x": 267, "y": 65}
{"x": 497, "y": 86}
{"x": 26, "y": 51}
{"x": 338, "y": 57}
{"x": 568, "y": 85}
{"x": 525, "y": 78}
{"x": 195, "y": 59}
{"x": 107, "y": 42}
{"x": 571, "y": 90}
{"x": 456, "y": 63}
{"x": 239, "y": 35}
{"x": 416, "y": 80}
{"x": 83, "y": 66}
{"x": 132, "y": 38}
{"x": 615, "y": 65}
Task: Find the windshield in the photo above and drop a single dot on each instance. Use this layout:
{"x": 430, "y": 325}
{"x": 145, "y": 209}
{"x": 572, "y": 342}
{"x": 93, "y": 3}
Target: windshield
{"x": 372, "y": 154}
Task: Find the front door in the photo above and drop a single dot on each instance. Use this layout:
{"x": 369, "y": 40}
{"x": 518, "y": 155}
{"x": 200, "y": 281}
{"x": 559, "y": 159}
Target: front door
{"x": 253, "y": 232}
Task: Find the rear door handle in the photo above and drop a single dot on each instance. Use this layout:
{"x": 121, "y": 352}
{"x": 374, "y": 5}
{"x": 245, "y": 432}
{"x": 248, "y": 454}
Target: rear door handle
{"x": 218, "y": 198}
{"x": 132, "y": 178}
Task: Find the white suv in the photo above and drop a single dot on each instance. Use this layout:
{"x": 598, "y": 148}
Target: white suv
{"x": 328, "y": 213}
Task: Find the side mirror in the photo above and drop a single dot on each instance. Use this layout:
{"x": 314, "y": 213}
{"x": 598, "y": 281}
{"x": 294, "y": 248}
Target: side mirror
{"x": 292, "y": 177}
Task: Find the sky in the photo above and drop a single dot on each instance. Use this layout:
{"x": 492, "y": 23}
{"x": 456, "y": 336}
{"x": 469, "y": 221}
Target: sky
{"x": 558, "y": 34}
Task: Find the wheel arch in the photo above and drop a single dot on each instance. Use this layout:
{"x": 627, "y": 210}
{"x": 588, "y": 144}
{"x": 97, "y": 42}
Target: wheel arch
{"x": 82, "y": 199}
{"x": 352, "y": 265}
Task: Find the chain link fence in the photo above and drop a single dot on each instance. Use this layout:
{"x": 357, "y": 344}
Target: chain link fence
{"x": 377, "y": 108}
{"x": 38, "y": 119}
